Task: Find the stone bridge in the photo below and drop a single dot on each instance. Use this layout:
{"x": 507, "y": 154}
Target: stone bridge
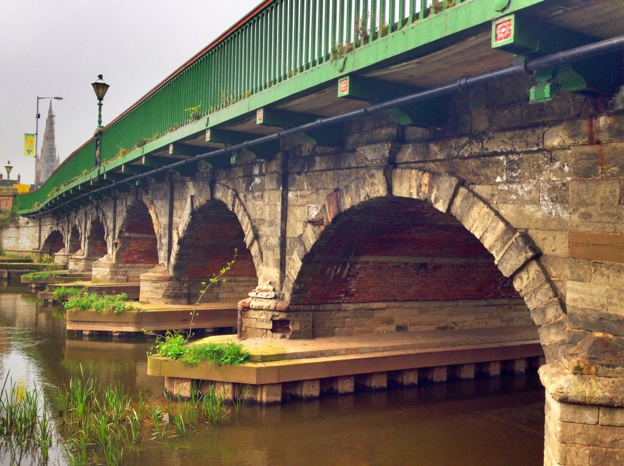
{"x": 508, "y": 213}
{"x": 500, "y": 204}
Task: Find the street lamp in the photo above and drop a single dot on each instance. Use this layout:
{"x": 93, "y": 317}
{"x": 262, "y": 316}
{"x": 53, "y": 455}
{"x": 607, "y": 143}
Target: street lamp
{"x": 8, "y": 167}
{"x": 37, "y": 116}
{"x": 100, "y": 88}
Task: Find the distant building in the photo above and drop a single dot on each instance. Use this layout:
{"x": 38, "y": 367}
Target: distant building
{"x": 48, "y": 160}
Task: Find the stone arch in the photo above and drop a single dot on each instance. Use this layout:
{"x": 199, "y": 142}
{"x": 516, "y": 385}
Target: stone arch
{"x": 514, "y": 253}
{"x": 136, "y": 241}
{"x": 233, "y": 202}
{"x": 96, "y": 245}
{"x": 135, "y": 250}
{"x": 205, "y": 244}
{"x": 53, "y": 243}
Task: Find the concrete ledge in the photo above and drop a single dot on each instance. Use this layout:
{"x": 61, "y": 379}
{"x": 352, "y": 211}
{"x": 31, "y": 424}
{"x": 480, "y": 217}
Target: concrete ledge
{"x": 337, "y": 366}
{"x": 155, "y": 318}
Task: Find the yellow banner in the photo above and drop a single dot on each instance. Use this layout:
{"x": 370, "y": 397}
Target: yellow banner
{"x": 29, "y": 145}
{"x": 22, "y": 188}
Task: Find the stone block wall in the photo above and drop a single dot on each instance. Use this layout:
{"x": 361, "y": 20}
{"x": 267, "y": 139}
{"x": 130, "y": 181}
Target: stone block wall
{"x": 580, "y": 434}
{"x": 344, "y": 319}
{"x": 21, "y": 237}
{"x": 233, "y": 290}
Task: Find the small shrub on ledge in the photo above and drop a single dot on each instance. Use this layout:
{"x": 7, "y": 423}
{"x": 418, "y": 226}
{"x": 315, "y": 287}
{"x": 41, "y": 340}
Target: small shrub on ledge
{"x": 173, "y": 346}
{"x": 115, "y": 303}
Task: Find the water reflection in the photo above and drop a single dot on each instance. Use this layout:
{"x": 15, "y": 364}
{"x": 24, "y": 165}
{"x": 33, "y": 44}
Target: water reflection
{"x": 484, "y": 422}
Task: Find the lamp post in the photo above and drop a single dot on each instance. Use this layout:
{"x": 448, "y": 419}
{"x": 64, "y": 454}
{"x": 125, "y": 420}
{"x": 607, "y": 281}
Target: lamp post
{"x": 8, "y": 167}
{"x": 37, "y": 116}
{"x": 100, "y": 88}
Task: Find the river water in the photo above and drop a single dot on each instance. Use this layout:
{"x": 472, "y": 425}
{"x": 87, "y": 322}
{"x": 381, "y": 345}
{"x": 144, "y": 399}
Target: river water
{"x": 484, "y": 422}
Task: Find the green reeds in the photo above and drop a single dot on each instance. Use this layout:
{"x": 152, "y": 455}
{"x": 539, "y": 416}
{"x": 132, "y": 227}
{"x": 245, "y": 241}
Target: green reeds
{"x": 116, "y": 303}
{"x": 96, "y": 425}
{"x": 100, "y": 422}
{"x": 25, "y": 426}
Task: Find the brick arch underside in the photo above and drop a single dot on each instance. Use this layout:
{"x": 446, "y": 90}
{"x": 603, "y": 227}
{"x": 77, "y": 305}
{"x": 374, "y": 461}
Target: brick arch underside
{"x": 206, "y": 246}
{"x": 138, "y": 244}
{"x": 96, "y": 241}
{"x": 398, "y": 264}
{"x": 74, "y": 240}
{"x": 53, "y": 243}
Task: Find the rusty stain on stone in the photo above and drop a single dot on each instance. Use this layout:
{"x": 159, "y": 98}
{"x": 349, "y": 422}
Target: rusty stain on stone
{"x": 333, "y": 204}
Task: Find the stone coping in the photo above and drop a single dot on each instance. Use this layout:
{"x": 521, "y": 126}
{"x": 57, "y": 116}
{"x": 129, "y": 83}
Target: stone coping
{"x": 339, "y": 356}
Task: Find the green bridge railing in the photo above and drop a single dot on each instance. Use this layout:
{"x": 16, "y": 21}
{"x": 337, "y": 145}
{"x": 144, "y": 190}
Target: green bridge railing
{"x": 277, "y": 41}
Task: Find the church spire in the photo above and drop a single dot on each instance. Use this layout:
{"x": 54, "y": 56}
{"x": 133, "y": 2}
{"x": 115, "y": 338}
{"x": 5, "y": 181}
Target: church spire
{"x": 47, "y": 161}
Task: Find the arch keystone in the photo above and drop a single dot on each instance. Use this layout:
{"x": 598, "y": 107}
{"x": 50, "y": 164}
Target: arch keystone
{"x": 407, "y": 182}
{"x": 437, "y": 188}
{"x": 443, "y": 189}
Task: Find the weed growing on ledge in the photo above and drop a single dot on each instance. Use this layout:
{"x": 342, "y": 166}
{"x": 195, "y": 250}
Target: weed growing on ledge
{"x": 63, "y": 293}
{"x": 116, "y": 303}
{"x": 34, "y": 276}
{"x": 173, "y": 345}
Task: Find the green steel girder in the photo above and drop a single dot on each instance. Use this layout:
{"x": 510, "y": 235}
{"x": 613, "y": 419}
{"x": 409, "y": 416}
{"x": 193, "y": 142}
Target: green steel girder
{"x": 266, "y": 151}
{"x": 99, "y": 196}
{"x": 157, "y": 160}
{"x": 186, "y": 150}
{"x": 372, "y": 90}
{"x": 122, "y": 188}
{"x": 223, "y": 137}
{"x": 332, "y": 136}
{"x": 355, "y": 87}
{"x": 218, "y": 162}
{"x": 530, "y": 37}
{"x": 131, "y": 169}
{"x": 282, "y": 118}
{"x": 115, "y": 176}
{"x": 188, "y": 170}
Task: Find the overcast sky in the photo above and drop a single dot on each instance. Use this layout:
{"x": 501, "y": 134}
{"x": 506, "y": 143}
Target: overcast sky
{"x": 58, "y": 47}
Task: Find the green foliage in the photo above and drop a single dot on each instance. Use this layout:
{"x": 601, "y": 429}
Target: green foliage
{"x": 63, "y": 293}
{"x": 116, "y": 303}
{"x": 194, "y": 112}
{"x": 47, "y": 259}
{"x": 214, "y": 280}
{"x": 36, "y": 276}
{"x": 104, "y": 424}
{"x": 173, "y": 346}
{"x": 25, "y": 427}
{"x": 8, "y": 217}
